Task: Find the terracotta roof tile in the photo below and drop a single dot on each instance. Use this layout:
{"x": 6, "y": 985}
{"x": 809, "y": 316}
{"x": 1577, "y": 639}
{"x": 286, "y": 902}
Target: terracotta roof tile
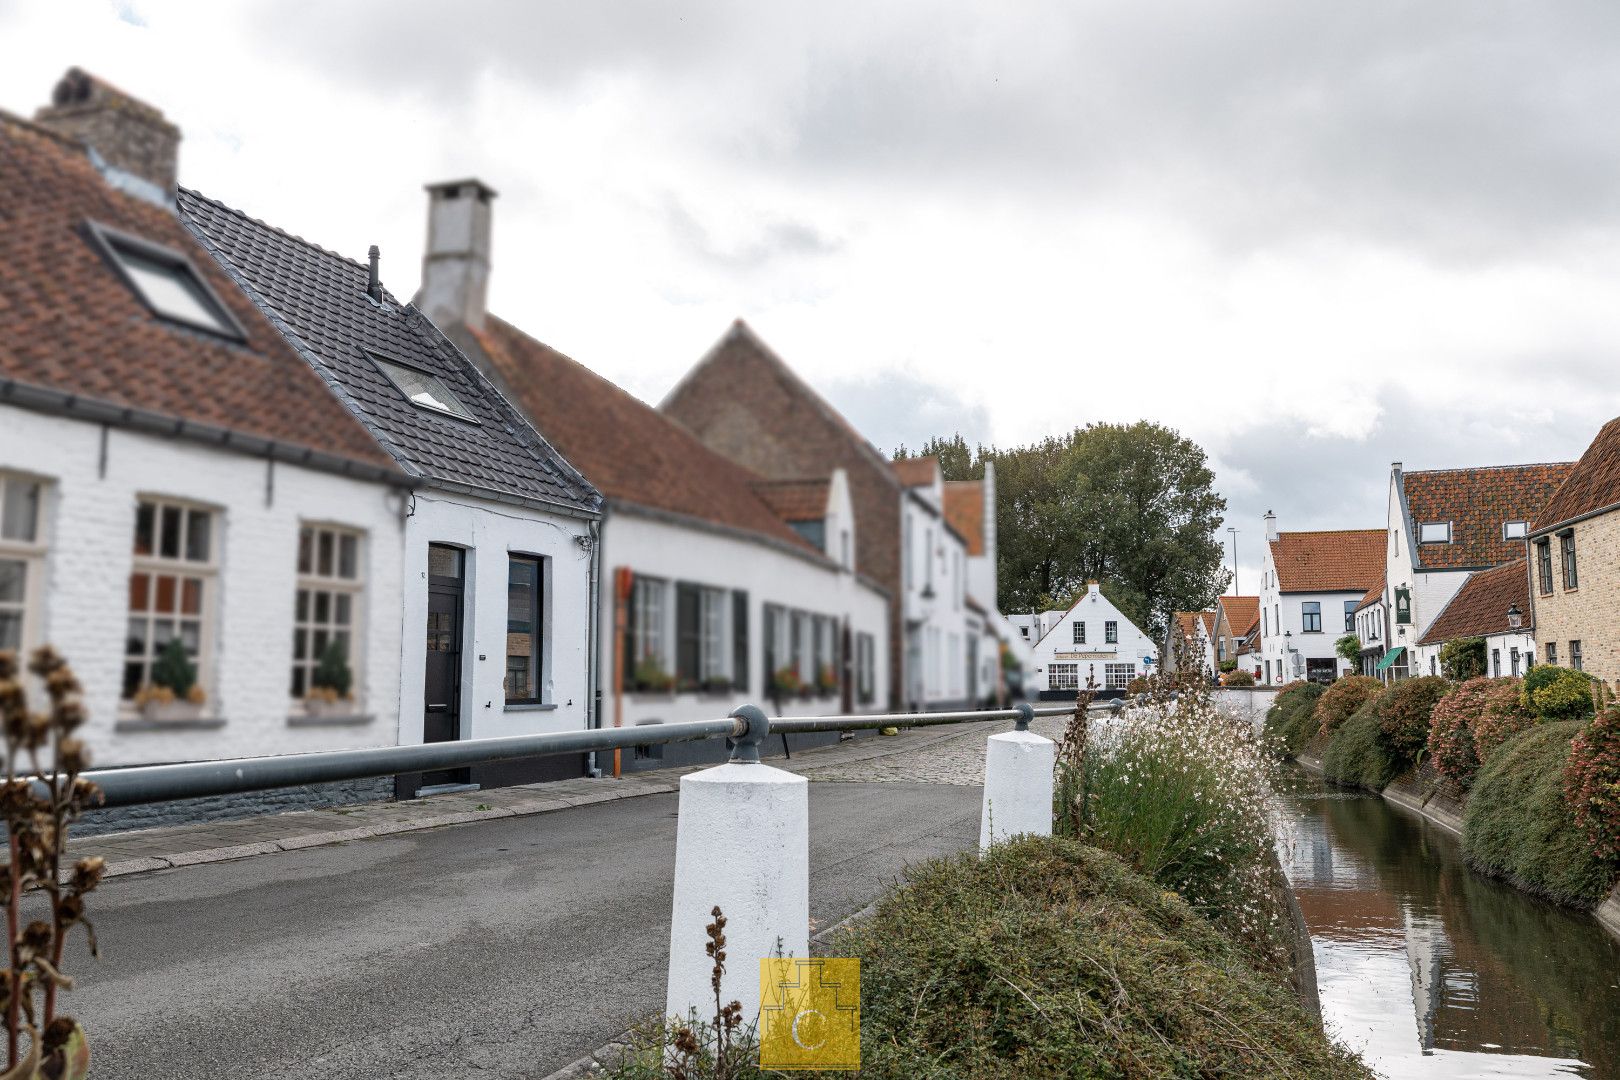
{"x": 1372, "y": 595}
{"x": 1189, "y": 621}
{"x": 964, "y": 511}
{"x": 795, "y": 500}
{"x": 70, "y": 324}
{"x": 917, "y": 471}
{"x": 1478, "y": 502}
{"x": 1344, "y": 560}
{"x": 630, "y": 451}
{"x": 1593, "y": 483}
{"x": 1480, "y": 606}
{"x": 1240, "y": 611}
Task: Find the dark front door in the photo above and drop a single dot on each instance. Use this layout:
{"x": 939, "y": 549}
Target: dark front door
{"x": 441, "y": 700}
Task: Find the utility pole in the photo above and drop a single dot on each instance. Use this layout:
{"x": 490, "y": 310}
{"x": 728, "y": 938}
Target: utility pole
{"x": 1235, "y": 590}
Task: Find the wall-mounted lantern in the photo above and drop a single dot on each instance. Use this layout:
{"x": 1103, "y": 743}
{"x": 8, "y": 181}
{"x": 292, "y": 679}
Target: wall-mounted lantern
{"x": 1515, "y": 617}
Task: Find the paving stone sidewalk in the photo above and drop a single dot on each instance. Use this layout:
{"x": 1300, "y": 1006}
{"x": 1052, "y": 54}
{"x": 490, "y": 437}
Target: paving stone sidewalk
{"x": 951, "y": 754}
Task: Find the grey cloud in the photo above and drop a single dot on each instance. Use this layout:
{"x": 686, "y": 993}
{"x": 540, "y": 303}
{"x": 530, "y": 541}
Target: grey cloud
{"x": 898, "y": 408}
{"x": 1460, "y": 129}
{"x": 772, "y": 240}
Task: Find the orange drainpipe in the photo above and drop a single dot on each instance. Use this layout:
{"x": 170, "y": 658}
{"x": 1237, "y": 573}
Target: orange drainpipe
{"x": 623, "y": 580}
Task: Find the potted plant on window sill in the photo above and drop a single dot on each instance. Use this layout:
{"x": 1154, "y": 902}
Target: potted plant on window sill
{"x": 330, "y": 685}
{"x": 826, "y": 681}
{"x": 651, "y": 678}
{"x": 717, "y": 685}
{"x": 785, "y": 683}
{"x": 173, "y": 694}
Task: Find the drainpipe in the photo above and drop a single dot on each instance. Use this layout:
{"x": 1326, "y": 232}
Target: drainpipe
{"x": 593, "y": 702}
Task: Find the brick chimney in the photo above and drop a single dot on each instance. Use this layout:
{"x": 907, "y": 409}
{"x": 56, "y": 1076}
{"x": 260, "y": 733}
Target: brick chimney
{"x": 132, "y": 139}
{"x": 455, "y": 266}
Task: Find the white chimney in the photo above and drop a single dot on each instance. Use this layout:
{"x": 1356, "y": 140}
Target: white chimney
{"x": 455, "y": 266}
{"x": 1271, "y": 526}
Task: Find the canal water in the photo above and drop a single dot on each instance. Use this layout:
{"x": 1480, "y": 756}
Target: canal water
{"x": 1431, "y": 970}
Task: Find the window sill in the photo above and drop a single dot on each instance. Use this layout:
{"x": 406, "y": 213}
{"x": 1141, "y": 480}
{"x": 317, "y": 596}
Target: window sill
{"x": 309, "y": 720}
{"x": 532, "y": 706}
{"x": 132, "y": 724}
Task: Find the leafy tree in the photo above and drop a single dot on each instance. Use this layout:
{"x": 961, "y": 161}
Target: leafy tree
{"x": 956, "y": 461}
{"x": 1348, "y": 647}
{"x": 1463, "y": 658}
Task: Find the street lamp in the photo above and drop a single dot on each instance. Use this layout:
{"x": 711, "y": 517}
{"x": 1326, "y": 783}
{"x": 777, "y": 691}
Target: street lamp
{"x": 1515, "y": 617}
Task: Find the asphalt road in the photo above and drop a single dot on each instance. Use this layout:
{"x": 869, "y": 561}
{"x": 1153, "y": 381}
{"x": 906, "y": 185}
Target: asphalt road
{"x": 498, "y": 949}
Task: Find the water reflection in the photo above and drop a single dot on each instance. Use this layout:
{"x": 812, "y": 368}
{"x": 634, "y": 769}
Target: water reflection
{"x": 1431, "y": 970}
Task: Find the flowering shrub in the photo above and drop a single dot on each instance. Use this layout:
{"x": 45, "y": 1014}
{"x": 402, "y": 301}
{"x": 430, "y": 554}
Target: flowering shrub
{"x": 1342, "y": 699}
{"x": 1181, "y": 791}
{"x": 1501, "y": 718}
{"x": 1565, "y": 696}
{"x": 1404, "y": 715}
{"x": 1237, "y": 678}
{"x": 1592, "y": 783}
{"x": 1451, "y": 730}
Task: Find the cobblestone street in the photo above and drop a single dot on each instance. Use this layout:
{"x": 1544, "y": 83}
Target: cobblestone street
{"x": 925, "y": 757}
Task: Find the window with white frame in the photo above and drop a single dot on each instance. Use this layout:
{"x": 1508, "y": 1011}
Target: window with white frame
{"x": 1434, "y": 532}
{"x": 171, "y": 583}
{"x": 1063, "y": 676}
{"x": 647, "y": 608}
{"x": 1110, "y": 632}
{"x": 1118, "y": 676}
{"x": 525, "y": 628}
{"x": 327, "y": 605}
{"x": 22, "y": 551}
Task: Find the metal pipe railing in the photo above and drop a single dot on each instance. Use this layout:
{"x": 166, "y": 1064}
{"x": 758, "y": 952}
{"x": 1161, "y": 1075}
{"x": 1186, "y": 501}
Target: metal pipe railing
{"x": 748, "y": 726}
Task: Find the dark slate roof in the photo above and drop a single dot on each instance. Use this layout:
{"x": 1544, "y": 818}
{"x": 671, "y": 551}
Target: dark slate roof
{"x": 318, "y": 300}
{"x": 74, "y": 338}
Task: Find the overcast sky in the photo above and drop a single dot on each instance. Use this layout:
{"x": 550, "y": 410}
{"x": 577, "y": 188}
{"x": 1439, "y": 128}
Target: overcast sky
{"x": 1315, "y": 238}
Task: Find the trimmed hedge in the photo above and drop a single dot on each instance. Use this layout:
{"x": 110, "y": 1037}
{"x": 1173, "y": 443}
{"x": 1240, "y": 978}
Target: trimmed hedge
{"x": 1291, "y": 720}
{"x": 1341, "y": 700}
{"x": 1451, "y": 730}
{"x": 1565, "y": 696}
{"x": 1503, "y": 718}
{"x": 1519, "y": 826}
{"x": 1592, "y": 783}
{"x": 1404, "y": 713}
{"x": 1356, "y": 755}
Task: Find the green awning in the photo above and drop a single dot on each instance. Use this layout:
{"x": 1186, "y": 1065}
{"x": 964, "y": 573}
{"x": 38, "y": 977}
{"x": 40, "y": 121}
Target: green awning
{"x": 1390, "y": 657}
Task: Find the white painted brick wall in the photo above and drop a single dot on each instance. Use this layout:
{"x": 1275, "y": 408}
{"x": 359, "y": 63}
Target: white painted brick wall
{"x": 90, "y": 523}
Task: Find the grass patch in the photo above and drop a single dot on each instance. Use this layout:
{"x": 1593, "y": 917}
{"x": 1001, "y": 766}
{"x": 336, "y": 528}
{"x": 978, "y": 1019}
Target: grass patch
{"x": 1356, "y": 755}
{"x": 1519, "y": 826}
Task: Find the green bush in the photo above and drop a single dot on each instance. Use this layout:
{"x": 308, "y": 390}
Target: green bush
{"x": 1567, "y": 695}
{"x": 1463, "y": 658}
{"x": 1503, "y": 718}
{"x": 1238, "y": 678}
{"x": 1519, "y": 826}
{"x": 1341, "y": 700}
{"x": 1405, "y": 713}
{"x": 1592, "y": 783}
{"x": 1451, "y": 730}
{"x": 1290, "y": 720}
{"x": 1356, "y": 755}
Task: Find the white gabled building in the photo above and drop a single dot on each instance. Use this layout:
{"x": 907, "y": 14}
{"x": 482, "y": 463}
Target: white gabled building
{"x": 1091, "y": 643}
{"x": 1195, "y": 633}
{"x": 934, "y": 588}
{"x": 1311, "y": 584}
{"x": 719, "y": 587}
{"x": 172, "y": 474}
{"x": 970, "y": 509}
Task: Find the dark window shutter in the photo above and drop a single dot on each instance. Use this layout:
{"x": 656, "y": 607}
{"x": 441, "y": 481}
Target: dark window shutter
{"x": 739, "y": 641}
{"x": 688, "y": 632}
{"x": 768, "y": 613}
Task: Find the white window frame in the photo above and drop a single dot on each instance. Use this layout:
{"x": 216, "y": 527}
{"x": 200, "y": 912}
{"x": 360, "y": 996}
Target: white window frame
{"x": 311, "y": 580}
{"x": 1118, "y": 676}
{"x": 651, "y": 607}
{"x": 1111, "y": 632}
{"x": 1063, "y": 676}
{"x": 155, "y": 565}
{"x": 714, "y": 652}
{"x": 1434, "y": 532}
{"x": 29, "y": 551}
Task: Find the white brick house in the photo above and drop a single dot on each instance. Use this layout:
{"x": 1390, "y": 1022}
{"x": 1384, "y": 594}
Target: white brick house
{"x": 1311, "y": 584}
{"x": 1092, "y": 643}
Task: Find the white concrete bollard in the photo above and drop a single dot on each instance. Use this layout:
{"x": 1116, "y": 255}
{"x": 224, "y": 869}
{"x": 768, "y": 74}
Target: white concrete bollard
{"x": 1017, "y": 784}
{"x": 742, "y": 844}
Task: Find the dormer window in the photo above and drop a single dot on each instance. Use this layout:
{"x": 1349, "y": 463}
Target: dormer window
{"x": 166, "y": 282}
{"x": 1434, "y": 532}
{"x": 427, "y": 391}
{"x": 1514, "y": 530}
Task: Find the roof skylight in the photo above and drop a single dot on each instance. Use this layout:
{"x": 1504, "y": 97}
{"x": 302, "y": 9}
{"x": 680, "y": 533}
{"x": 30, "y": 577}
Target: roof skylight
{"x": 167, "y": 283}
{"x": 425, "y": 390}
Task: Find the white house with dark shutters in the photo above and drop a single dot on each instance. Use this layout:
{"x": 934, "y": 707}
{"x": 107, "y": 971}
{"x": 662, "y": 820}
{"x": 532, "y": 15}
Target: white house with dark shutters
{"x": 719, "y": 587}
